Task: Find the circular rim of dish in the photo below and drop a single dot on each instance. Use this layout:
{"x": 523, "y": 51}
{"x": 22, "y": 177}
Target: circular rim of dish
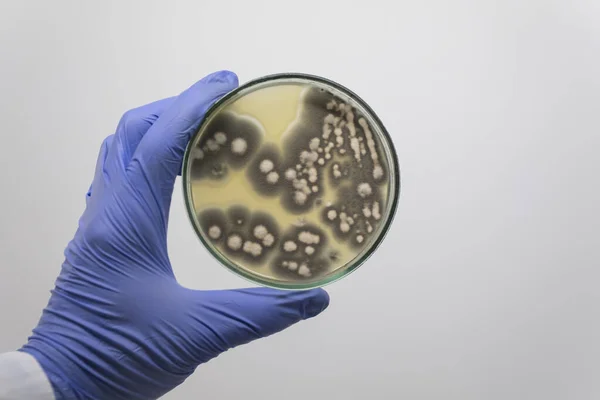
{"x": 350, "y": 266}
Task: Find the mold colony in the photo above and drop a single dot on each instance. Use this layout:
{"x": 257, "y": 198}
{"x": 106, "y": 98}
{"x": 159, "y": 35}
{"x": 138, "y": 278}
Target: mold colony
{"x": 295, "y": 203}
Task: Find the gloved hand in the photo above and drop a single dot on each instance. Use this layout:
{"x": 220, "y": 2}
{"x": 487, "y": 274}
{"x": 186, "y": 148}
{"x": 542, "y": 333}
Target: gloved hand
{"x": 118, "y": 325}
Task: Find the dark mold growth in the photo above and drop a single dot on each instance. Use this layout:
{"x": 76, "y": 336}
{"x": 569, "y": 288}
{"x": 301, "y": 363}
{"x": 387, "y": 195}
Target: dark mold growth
{"x": 266, "y": 220}
{"x": 238, "y": 216}
{"x": 303, "y": 149}
{"x": 346, "y": 218}
{"x": 229, "y": 142}
{"x": 255, "y": 235}
{"x": 213, "y": 218}
{"x": 264, "y": 172}
{"x": 298, "y": 268}
{"x": 265, "y": 230}
{"x": 303, "y": 237}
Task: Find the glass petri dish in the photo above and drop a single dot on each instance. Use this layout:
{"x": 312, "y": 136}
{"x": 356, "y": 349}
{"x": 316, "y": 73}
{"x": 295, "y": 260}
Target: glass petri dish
{"x": 291, "y": 181}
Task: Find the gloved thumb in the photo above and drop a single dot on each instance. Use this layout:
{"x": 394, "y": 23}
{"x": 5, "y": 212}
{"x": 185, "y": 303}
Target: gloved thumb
{"x": 241, "y": 316}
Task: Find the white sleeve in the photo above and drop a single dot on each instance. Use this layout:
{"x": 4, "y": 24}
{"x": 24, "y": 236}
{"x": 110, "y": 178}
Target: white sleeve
{"x": 21, "y": 377}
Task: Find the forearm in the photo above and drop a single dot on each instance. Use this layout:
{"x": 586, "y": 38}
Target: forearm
{"x": 21, "y": 377}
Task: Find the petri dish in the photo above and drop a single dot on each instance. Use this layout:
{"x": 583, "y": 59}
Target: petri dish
{"x": 291, "y": 181}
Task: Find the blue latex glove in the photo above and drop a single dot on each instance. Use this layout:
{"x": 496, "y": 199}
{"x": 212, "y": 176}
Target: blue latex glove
{"x": 118, "y": 325}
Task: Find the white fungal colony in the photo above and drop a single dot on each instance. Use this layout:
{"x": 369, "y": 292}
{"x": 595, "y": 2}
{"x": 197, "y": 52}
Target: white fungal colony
{"x": 212, "y": 145}
{"x": 239, "y": 146}
{"x": 375, "y": 211}
{"x": 300, "y": 198}
{"x": 377, "y": 169}
{"x": 291, "y": 265}
{"x": 272, "y": 177}
{"x": 366, "y": 211}
{"x": 197, "y": 154}
{"x": 364, "y": 190}
{"x": 290, "y": 174}
{"x": 252, "y": 248}
{"x": 234, "y": 242}
{"x": 290, "y": 246}
{"x": 260, "y": 231}
{"x": 268, "y": 240}
{"x": 336, "y": 171}
{"x": 214, "y": 232}
{"x": 307, "y": 237}
{"x": 304, "y": 270}
{"x": 331, "y": 214}
{"x": 314, "y": 144}
{"x": 266, "y": 166}
{"x": 220, "y": 138}
{"x": 262, "y": 234}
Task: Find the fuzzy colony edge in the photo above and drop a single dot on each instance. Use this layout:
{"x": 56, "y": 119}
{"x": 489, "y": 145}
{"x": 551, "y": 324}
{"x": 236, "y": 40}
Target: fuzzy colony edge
{"x": 330, "y": 145}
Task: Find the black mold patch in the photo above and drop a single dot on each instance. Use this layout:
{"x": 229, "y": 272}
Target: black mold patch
{"x": 288, "y": 202}
{"x": 349, "y": 197}
{"x": 210, "y": 217}
{"x": 325, "y": 211}
{"x": 258, "y": 178}
{"x": 317, "y": 267}
{"x": 242, "y": 222}
{"x": 308, "y": 127}
{"x": 216, "y": 163}
{"x": 228, "y": 250}
{"x": 238, "y": 216}
{"x": 266, "y": 220}
{"x": 240, "y": 255}
{"x": 292, "y": 234}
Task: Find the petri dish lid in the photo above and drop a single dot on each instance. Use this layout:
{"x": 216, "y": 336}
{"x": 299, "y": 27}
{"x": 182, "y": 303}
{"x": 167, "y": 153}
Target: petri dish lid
{"x": 291, "y": 181}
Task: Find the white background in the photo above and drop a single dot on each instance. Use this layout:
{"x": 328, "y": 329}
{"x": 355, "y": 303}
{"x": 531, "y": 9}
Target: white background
{"x": 487, "y": 286}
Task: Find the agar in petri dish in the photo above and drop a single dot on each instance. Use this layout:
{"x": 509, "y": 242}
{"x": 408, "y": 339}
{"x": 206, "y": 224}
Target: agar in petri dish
{"x": 291, "y": 181}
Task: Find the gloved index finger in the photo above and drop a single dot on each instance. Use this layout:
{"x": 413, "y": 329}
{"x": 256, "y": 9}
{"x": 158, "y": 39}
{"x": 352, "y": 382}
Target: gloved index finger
{"x": 160, "y": 152}
{"x": 132, "y": 127}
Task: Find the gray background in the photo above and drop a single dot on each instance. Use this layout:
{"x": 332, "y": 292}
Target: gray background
{"x": 487, "y": 285}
